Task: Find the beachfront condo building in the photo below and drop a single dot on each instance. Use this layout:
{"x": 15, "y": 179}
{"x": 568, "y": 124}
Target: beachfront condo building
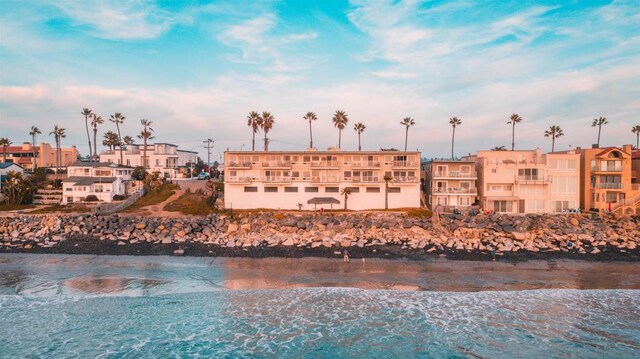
{"x": 100, "y": 179}
{"x": 315, "y": 179}
{"x": 165, "y": 158}
{"x": 608, "y": 180}
{"x": 451, "y": 184}
{"x": 42, "y": 156}
{"x": 528, "y": 181}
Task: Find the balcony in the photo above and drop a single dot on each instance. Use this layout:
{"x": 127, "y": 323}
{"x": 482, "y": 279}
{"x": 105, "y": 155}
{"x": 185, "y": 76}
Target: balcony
{"x": 276, "y": 179}
{"x": 404, "y": 180}
{"x": 533, "y": 178}
{"x": 277, "y": 165}
{"x": 235, "y": 179}
{"x": 318, "y": 179}
{"x": 609, "y": 186}
{"x": 324, "y": 164}
{"x": 239, "y": 165}
{"x": 455, "y": 174}
{"x": 369, "y": 164}
{"x": 455, "y": 190}
{"x": 404, "y": 164}
{"x": 607, "y": 169}
{"x": 365, "y": 180}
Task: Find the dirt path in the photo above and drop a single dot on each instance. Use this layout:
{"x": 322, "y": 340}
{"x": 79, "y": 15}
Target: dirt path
{"x": 157, "y": 210}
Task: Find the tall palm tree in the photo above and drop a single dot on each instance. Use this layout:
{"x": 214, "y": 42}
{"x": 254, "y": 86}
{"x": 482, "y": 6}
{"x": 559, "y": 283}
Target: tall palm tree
{"x": 407, "y": 122}
{"x": 58, "y": 133}
{"x": 636, "y": 129}
{"x": 117, "y": 118}
{"x": 499, "y": 148}
{"x": 454, "y": 122}
{"x": 95, "y": 121}
{"x": 267, "y": 124}
{"x": 145, "y": 134}
{"x": 255, "y": 122}
{"x": 111, "y": 140}
{"x": 340, "y": 120}
{"x": 4, "y": 142}
{"x": 33, "y": 133}
{"x": 87, "y": 113}
{"x": 553, "y": 132}
{"x": 513, "y": 120}
{"x": 310, "y": 116}
{"x": 599, "y": 122}
{"x": 386, "y": 179}
{"x": 128, "y": 140}
{"x": 345, "y": 192}
{"x": 359, "y": 127}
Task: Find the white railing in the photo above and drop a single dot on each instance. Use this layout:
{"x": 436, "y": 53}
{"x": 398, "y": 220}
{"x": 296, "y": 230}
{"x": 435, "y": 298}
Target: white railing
{"x": 239, "y": 179}
{"x": 405, "y": 179}
{"x": 366, "y": 180}
{"x": 325, "y": 164}
{"x": 365, "y": 164}
{"x": 277, "y": 164}
{"x": 403, "y": 164}
{"x": 106, "y": 208}
{"x": 454, "y": 190}
{"x": 318, "y": 179}
{"x": 533, "y": 178}
{"x": 609, "y": 186}
{"x": 276, "y": 179}
{"x": 453, "y": 174}
{"x": 239, "y": 165}
{"x": 607, "y": 169}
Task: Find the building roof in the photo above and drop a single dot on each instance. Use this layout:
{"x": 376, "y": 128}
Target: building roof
{"x": 87, "y": 181}
{"x": 4, "y": 165}
{"x": 323, "y": 200}
{"x": 325, "y": 152}
{"x": 19, "y": 149}
{"x": 636, "y": 155}
{"x": 95, "y": 164}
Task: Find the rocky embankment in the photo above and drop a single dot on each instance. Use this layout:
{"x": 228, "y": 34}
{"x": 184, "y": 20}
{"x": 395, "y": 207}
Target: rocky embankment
{"x": 372, "y": 234}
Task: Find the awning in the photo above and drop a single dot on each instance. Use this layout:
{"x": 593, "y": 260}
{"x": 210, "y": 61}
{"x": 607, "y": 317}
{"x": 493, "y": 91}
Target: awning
{"x": 323, "y": 200}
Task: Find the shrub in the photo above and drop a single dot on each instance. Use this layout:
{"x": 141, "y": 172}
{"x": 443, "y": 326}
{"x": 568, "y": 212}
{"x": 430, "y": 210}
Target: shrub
{"x": 139, "y": 173}
{"x": 91, "y": 198}
{"x": 118, "y": 197}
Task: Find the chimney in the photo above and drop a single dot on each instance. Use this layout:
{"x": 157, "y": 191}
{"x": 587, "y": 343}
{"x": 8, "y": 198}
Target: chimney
{"x": 628, "y": 149}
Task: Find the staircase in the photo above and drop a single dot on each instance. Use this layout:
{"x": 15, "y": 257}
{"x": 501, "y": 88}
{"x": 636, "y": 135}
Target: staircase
{"x": 629, "y": 202}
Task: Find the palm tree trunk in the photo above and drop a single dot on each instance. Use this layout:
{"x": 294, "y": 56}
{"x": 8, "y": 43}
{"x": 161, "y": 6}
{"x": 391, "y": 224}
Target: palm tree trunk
{"x": 345, "y": 201}
{"x": 513, "y": 136}
{"x": 86, "y": 125}
{"x": 4, "y": 153}
{"x": 553, "y": 143}
{"x": 359, "y": 147}
{"x": 340, "y": 139}
{"x": 453, "y": 136}
{"x": 33, "y": 149}
{"x": 386, "y": 194}
{"x": 637, "y": 140}
{"x": 599, "y": 129}
{"x": 266, "y": 143}
{"x": 310, "y": 136}
{"x": 253, "y": 142}
{"x": 406, "y": 137}
{"x": 95, "y": 144}
{"x": 144, "y": 154}
{"x": 120, "y": 144}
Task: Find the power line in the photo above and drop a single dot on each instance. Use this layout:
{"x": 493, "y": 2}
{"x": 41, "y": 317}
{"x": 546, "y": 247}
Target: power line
{"x": 209, "y": 145}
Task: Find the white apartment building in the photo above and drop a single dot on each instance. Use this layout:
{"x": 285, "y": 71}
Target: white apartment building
{"x": 451, "y": 183}
{"x": 103, "y": 180}
{"x": 165, "y": 158}
{"x": 528, "y": 181}
{"x": 282, "y": 179}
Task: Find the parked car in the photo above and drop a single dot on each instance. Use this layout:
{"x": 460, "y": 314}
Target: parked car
{"x": 203, "y": 176}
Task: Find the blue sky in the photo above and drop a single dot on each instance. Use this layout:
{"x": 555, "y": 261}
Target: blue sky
{"x": 197, "y": 68}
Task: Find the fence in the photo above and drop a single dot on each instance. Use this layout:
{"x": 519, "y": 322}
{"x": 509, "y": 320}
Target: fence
{"x": 106, "y": 208}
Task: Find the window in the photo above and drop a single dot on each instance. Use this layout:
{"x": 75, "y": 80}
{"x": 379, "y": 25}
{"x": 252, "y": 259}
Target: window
{"x": 394, "y": 190}
{"x": 502, "y": 206}
{"x": 295, "y": 175}
{"x": 373, "y": 189}
{"x": 534, "y": 205}
{"x": 332, "y": 189}
{"x": 564, "y": 184}
{"x": 347, "y": 175}
{"x": 612, "y": 197}
{"x": 306, "y": 175}
{"x": 251, "y": 189}
{"x": 291, "y": 189}
{"x": 442, "y": 200}
{"x": 271, "y": 189}
{"x": 465, "y": 201}
{"x": 354, "y": 189}
{"x": 561, "y": 206}
{"x": 311, "y": 189}
{"x": 68, "y": 189}
{"x": 233, "y": 173}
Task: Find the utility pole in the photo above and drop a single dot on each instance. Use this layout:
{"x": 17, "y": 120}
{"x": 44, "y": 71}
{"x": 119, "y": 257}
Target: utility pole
{"x": 209, "y": 145}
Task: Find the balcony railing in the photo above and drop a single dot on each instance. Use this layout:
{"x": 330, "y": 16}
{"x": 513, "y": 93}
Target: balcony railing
{"x": 609, "y": 186}
{"x": 532, "y": 178}
{"x": 404, "y": 164}
{"x": 369, "y": 164}
{"x": 276, "y": 179}
{"x": 239, "y": 179}
{"x": 365, "y": 180}
{"x": 325, "y": 164}
{"x": 607, "y": 169}
{"x": 454, "y": 190}
{"x": 318, "y": 179}
{"x": 635, "y": 186}
{"x": 453, "y": 174}
{"x": 404, "y": 180}
{"x": 239, "y": 165}
{"x": 280, "y": 164}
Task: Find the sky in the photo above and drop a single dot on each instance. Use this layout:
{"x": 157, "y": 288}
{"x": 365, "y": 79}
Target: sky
{"x": 197, "y": 68}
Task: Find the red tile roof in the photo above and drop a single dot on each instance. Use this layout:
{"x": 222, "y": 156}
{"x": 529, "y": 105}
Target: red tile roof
{"x": 636, "y": 155}
{"x": 18, "y": 149}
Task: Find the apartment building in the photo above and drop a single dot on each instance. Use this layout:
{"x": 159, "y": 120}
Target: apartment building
{"x": 283, "y": 180}
{"x": 608, "y": 180}
{"x": 451, "y": 184}
{"x": 43, "y": 155}
{"x": 165, "y": 158}
{"x": 103, "y": 180}
{"x": 528, "y": 181}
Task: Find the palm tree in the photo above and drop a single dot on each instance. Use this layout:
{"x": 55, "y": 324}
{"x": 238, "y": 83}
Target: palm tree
{"x": 95, "y": 121}
{"x": 145, "y": 134}
{"x": 111, "y": 140}
{"x": 636, "y": 129}
{"x": 255, "y": 122}
{"x": 58, "y": 133}
{"x": 386, "y": 179}
{"x": 407, "y": 122}
{"x": 499, "y": 148}
{"x": 4, "y": 142}
{"x": 599, "y": 122}
{"x": 454, "y": 122}
{"x": 515, "y": 118}
{"x": 553, "y": 132}
{"x": 33, "y": 133}
{"x": 359, "y": 127}
{"x": 267, "y": 124}
{"x": 128, "y": 140}
{"x": 117, "y": 118}
{"x": 340, "y": 120}
{"x": 310, "y": 116}
{"x": 345, "y": 192}
{"x": 87, "y": 113}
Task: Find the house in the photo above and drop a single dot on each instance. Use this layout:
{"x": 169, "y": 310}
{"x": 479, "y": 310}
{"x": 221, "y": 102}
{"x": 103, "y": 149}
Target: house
{"x": 165, "y": 158}
{"x": 287, "y": 179}
{"x": 103, "y": 180}
{"x": 43, "y": 155}
{"x": 608, "y": 179}
{"x": 528, "y": 181}
{"x": 5, "y": 168}
{"x": 451, "y": 183}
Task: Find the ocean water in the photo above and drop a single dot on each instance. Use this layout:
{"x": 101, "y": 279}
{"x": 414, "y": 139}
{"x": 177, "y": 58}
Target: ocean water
{"x": 126, "y": 307}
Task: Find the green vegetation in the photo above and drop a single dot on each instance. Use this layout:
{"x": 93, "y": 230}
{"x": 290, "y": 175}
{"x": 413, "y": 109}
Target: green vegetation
{"x": 165, "y": 191}
{"x": 190, "y": 203}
